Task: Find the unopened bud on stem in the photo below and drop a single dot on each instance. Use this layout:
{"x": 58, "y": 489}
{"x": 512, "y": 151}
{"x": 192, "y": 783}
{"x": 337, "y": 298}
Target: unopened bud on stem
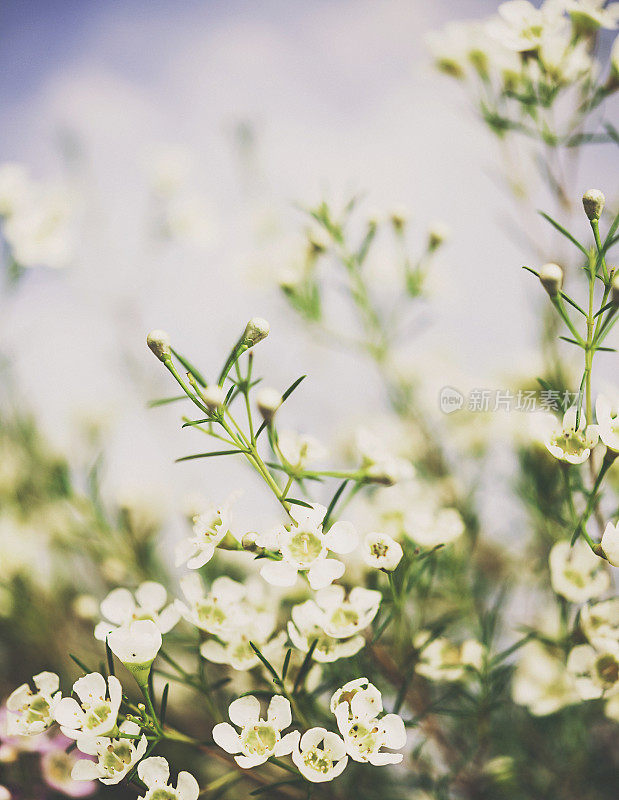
{"x": 256, "y": 330}
{"x": 268, "y": 401}
{"x": 593, "y": 202}
{"x": 614, "y": 288}
{"x": 159, "y": 343}
{"x": 213, "y": 397}
{"x": 551, "y": 278}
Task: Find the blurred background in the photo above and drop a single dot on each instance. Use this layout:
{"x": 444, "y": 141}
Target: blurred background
{"x": 185, "y": 137}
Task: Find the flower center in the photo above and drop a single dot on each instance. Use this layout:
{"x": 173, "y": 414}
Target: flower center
{"x": 259, "y": 739}
{"x": 95, "y": 716}
{"x": 366, "y": 740}
{"x": 116, "y": 758}
{"x": 305, "y": 547}
{"x": 211, "y": 613}
{"x": 162, "y": 794}
{"x": 317, "y": 760}
{"x": 38, "y": 709}
{"x": 344, "y": 617}
{"x": 379, "y": 549}
{"x": 607, "y": 670}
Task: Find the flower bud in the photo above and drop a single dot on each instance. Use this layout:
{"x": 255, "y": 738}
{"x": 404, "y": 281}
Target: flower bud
{"x": 159, "y": 343}
{"x": 213, "y": 397}
{"x": 268, "y": 401}
{"x": 593, "y": 202}
{"x": 437, "y": 233}
{"x": 399, "y": 217}
{"x": 248, "y": 541}
{"x": 614, "y": 288}
{"x": 551, "y": 278}
{"x": 256, "y": 330}
{"x": 136, "y": 645}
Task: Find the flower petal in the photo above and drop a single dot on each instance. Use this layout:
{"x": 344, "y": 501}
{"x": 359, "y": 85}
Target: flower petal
{"x": 324, "y": 572}
{"x": 68, "y": 713}
{"x": 247, "y": 762}
{"x": 118, "y": 606}
{"x": 279, "y": 573}
{"x": 154, "y": 771}
{"x": 187, "y": 786}
{"x": 287, "y": 744}
{"x": 245, "y": 710}
{"x": 342, "y": 538}
{"x": 395, "y": 732}
{"x": 227, "y": 738}
{"x": 279, "y": 712}
{"x": 90, "y": 687}
{"x": 85, "y": 770}
{"x": 151, "y": 595}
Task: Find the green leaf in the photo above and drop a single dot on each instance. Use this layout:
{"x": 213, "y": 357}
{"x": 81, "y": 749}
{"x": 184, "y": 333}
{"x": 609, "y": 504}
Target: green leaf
{"x": 573, "y": 303}
{"x": 163, "y": 401}
{"x": 164, "y": 704}
{"x": 190, "y": 368}
{"x": 333, "y": 502}
{"x": 610, "y": 240}
{"x": 570, "y": 341}
{"x": 305, "y": 667}
{"x": 298, "y": 502}
{"x": 532, "y": 271}
{"x": 79, "y": 663}
{"x": 208, "y": 455}
{"x": 276, "y": 679}
{"x": 285, "y": 396}
{"x": 110, "y": 659}
{"x": 286, "y": 663}
{"x": 566, "y": 233}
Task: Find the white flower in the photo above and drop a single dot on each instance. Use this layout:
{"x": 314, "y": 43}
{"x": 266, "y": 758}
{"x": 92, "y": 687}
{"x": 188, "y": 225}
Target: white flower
{"x": 520, "y": 26}
{"x": 356, "y": 707}
{"x": 379, "y": 462}
{"x": 299, "y": 449}
{"x": 610, "y": 543}
{"x": 15, "y": 187}
{"x": 155, "y": 773}
{"x": 209, "y": 528}
{"x": 596, "y": 672}
{"x": 32, "y": 712}
{"x": 589, "y": 15}
{"x": 40, "y": 231}
{"x": 97, "y": 714}
{"x": 120, "y": 608}
{"x": 320, "y": 755}
{"x": 566, "y": 441}
{"x": 600, "y": 623}
{"x": 576, "y": 572}
{"x": 429, "y": 527}
{"x": 541, "y": 682}
{"x": 236, "y": 650}
{"x": 259, "y": 739}
{"x": 443, "y": 660}
{"x": 607, "y": 414}
{"x": 115, "y": 757}
{"x": 345, "y": 616}
{"x": 381, "y": 551}
{"x": 304, "y": 547}
{"x": 215, "y": 612}
{"x": 136, "y": 645}
{"x": 334, "y": 622}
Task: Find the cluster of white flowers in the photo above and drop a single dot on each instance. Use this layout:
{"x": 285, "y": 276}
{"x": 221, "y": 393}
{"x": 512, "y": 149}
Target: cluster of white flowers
{"x": 525, "y": 49}
{"x": 443, "y": 660}
{"x": 334, "y": 621}
{"x": 319, "y": 754}
{"x": 546, "y": 683}
{"x": 234, "y": 614}
{"x": 38, "y": 219}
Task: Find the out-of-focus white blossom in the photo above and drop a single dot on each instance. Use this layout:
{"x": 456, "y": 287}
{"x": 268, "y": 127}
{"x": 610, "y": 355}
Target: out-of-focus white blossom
{"x": 589, "y": 15}
{"x": 576, "y": 572}
{"x": 259, "y": 739}
{"x": 300, "y": 450}
{"x": 120, "y": 607}
{"x": 520, "y": 26}
{"x": 320, "y": 755}
{"x": 381, "y": 551}
{"x": 217, "y": 611}
{"x": 334, "y": 621}
{"x": 600, "y": 623}
{"x": 607, "y": 415}
{"x": 31, "y": 712}
{"x": 443, "y": 660}
{"x": 209, "y": 528}
{"x": 379, "y": 462}
{"x": 610, "y": 543}
{"x": 595, "y": 672}
{"x": 541, "y": 682}
{"x": 566, "y": 441}
{"x": 304, "y": 547}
